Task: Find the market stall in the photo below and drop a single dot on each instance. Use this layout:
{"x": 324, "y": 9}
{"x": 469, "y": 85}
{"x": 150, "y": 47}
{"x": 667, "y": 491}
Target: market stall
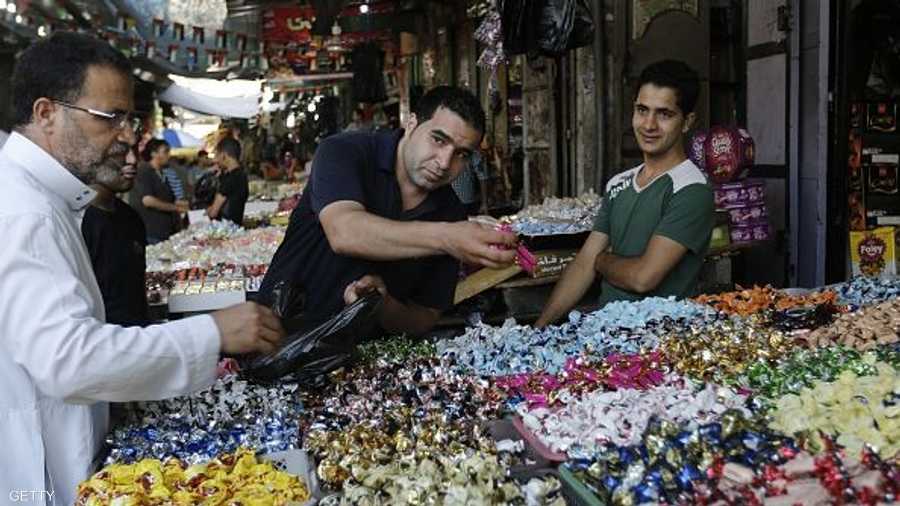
{"x": 208, "y": 266}
{"x": 746, "y": 397}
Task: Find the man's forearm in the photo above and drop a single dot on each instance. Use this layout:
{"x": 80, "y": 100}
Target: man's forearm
{"x": 365, "y": 235}
{"x": 574, "y": 283}
{"x": 158, "y": 204}
{"x": 626, "y": 273}
{"x": 397, "y": 317}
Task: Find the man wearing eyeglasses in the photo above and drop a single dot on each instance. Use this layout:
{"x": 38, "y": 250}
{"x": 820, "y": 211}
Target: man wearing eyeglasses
{"x": 59, "y": 361}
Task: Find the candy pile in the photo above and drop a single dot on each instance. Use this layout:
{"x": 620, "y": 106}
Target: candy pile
{"x": 580, "y": 376}
{"x": 677, "y": 465}
{"x": 196, "y": 428}
{"x": 396, "y": 349}
{"x": 751, "y": 301}
{"x": 719, "y": 349}
{"x": 829, "y": 478}
{"x": 802, "y": 369}
{"x": 862, "y": 291}
{"x": 858, "y": 410}
{"x": 209, "y": 244}
{"x": 558, "y": 216}
{"x": 620, "y": 417}
{"x": 230, "y": 479}
{"x": 863, "y": 330}
{"x": 454, "y": 476}
{"x": 619, "y": 327}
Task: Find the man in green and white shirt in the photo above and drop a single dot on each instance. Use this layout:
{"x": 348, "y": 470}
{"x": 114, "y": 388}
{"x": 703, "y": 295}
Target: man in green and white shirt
{"x": 653, "y": 229}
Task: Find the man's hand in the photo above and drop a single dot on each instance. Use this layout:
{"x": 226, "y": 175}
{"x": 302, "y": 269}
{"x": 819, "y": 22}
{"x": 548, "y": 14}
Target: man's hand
{"x": 476, "y": 244}
{"x": 366, "y": 284}
{"x": 182, "y": 206}
{"x": 248, "y": 328}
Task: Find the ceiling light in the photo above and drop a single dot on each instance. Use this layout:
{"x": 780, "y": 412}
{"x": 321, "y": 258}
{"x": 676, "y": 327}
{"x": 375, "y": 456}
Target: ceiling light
{"x": 11, "y": 8}
{"x": 311, "y": 107}
{"x": 363, "y": 9}
{"x": 42, "y": 31}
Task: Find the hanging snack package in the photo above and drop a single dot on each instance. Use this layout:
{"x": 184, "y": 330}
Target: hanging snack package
{"x": 872, "y": 253}
{"x": 312, "y": 348}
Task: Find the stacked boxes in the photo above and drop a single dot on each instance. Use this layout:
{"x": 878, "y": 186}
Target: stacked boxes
{"x": 745, "y": 203}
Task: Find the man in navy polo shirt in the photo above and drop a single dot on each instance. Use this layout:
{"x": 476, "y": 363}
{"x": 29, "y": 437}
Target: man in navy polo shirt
{"x": 379, "y": 214}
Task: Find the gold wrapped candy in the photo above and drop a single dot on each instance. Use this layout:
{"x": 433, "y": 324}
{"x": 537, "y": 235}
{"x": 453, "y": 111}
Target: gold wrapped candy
{"x": 237, "y": 478}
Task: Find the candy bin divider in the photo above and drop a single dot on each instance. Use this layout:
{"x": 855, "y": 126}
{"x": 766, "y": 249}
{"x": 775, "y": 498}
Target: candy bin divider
{"x": 533, "y": 441}
{"x": 570, "y": 494}
{"x": 299, "y": 463}
{"x": 580, "y": 493}
{"x": 503, "y": 429}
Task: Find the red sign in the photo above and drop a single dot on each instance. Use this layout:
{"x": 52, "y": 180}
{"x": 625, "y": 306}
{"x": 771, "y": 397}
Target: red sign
{"x": 288, "y": 24}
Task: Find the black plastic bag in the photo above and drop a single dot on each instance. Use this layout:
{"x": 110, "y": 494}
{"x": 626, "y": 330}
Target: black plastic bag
{"x": 519, "y": 21}
{"x": 205, "y": 190}
{"x": 312, "y": 348}
{"x": 564, "y": 25}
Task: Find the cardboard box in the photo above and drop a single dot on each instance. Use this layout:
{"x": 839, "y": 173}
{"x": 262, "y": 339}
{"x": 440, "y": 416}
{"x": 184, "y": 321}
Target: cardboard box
{"x": 739, "y": 194}
{"x": 882, "y": 194}
{"x": 552, "y": 262}
{"x": 873, "y": 252}
{"x": 882, "y": 117}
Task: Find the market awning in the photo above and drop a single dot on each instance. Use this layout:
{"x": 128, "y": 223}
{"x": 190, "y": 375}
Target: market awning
{"x": 185, "y": 93}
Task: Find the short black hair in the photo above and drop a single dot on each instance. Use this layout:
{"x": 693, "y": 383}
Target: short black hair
{"x": 676, "y": 75}
{"x": 56, "y": 68}
{"x": 153, "y": 146}
{"x": 230, "y": 147}
{"x": 458, "y": 100}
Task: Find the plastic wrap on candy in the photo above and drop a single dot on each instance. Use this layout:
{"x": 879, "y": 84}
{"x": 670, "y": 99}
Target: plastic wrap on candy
{"x": 229, "y": 414}
{"x": 313, "y": 348}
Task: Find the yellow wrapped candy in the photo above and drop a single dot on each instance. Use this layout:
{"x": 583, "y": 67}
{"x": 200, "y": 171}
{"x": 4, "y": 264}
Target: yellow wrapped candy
{"x": 852, "y": 409}
{"x": 239, "y": 478}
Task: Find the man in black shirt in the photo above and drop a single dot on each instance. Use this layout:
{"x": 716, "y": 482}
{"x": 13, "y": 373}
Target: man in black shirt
{"x": 115, "y": 237}
{"x": 151, "y": 196}
{"x": 233, "y": 186}
{"x": 378, "y": 213}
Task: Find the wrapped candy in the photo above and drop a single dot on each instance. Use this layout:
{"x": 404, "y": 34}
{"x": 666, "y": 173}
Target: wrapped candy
{"x": 229, "y": 414}
{"x": 751, "y": 301}
{"x": 583, "y": 427}
{"x": 720, "y": 350}
{"x": 555, "y": 216}
{"x": 620, "y": 327}
{"x": 214, "y": 243}
{"x": 863, "y": 291}
{"x": 857, "y": 410}
{"x": 803, "y": 368}
{"x": 580, "y": 376}
{"x": 229, "y": 479}
{"x": 679, "y": 465}
{"x": 396, "y": 349}
{"x": 865, "y": 329}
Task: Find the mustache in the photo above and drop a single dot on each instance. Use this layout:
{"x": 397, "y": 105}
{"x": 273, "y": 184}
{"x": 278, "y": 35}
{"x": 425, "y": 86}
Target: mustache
{"x": 119, "y": 149}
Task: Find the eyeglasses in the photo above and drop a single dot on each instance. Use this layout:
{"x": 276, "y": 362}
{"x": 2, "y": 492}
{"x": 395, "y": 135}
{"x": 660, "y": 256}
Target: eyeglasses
{"x": 119, "y": 120}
